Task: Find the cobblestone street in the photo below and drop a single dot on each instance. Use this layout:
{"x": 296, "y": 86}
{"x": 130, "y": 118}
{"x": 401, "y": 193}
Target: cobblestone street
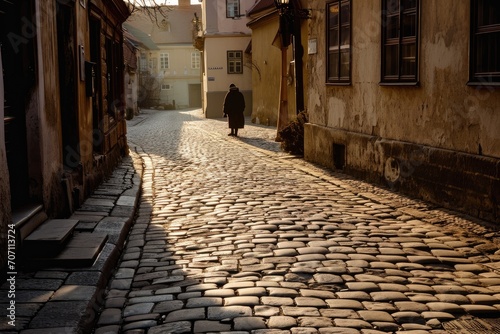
{"x": 233, "y": 235}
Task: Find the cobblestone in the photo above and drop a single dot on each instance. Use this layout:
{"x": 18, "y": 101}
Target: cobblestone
{"x": 233, "y": 235}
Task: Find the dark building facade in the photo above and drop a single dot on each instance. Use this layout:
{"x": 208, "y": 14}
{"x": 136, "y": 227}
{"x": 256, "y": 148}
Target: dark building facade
{"x": 64, "y": 128}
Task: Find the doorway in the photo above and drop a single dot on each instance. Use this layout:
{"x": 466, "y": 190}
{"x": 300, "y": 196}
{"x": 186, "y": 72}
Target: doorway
{"x": 19, "y": 75}
{"x": 195, "y": 95}
{"x": 95, "y": 58}
{"x": 68, "y": 75}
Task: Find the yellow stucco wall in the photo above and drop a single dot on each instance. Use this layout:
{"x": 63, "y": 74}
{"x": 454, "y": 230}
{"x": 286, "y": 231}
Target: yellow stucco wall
{"x": 438, "y": 140}
{"x": 266, "y": 73}
{"x": 442, "y": 112}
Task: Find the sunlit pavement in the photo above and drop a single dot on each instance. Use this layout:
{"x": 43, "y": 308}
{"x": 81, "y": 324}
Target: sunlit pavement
{"x": 233, "y": 235}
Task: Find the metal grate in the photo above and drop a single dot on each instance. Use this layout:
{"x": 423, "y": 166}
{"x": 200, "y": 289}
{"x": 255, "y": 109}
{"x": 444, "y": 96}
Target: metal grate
{"x": 473, "y": 326}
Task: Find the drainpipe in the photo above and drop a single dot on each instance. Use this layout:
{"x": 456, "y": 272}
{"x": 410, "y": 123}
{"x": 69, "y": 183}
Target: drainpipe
{"x": 283, "y": 107}
{"x": 298, "y": 54}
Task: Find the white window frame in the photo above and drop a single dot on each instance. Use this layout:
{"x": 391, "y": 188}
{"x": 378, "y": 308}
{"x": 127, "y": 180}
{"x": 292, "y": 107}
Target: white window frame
{"x": 164, "y": 61}
{"x": 195, "y": 60}
{"x": 233, "y": 8}
{"x": 143, "y": 63}
{"x": 166, "y": 86}
{"x": 153, "y": 64}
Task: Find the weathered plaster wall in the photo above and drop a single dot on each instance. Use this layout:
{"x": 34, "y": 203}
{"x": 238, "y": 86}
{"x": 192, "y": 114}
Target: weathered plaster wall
{"x": 266, "y": 72}
{"x": 443, "y": 112}
{"x": 439, "y": 140}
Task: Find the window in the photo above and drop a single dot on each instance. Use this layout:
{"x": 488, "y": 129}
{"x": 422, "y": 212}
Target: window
{"x": 235, "y": 62}
{"x": 143, "y": 62}
{"x": 165, "y": 87}
{"x": 164, "y": 61}
{"x": 485, "y": 42}
{"x": 153, "y": 64}
{"x": 400, "y": 26}
{"x": 232, "y": 8}
{"x": 195, "y": 60}
{"x": 339, "y": 42}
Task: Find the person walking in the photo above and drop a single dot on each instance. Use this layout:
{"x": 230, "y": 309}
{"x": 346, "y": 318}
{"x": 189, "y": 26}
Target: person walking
{"x": 234, "y": 106}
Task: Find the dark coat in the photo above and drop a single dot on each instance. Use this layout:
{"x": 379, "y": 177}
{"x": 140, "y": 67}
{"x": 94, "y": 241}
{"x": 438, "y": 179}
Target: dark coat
{"x": 234, "y": 106}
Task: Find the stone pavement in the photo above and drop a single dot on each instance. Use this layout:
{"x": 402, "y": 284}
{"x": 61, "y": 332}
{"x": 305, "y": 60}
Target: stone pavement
{"x": 233, "y": 235}
{"x": 67, "y": 300}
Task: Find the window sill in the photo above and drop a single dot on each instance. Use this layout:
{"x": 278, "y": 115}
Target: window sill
{"x": 338, "y": 83}
{"x": 407, "y": 84}
{"x": 483, "y": 84}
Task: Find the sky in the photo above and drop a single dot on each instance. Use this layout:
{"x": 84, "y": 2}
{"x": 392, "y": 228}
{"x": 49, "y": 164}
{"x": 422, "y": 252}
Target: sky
{"x": 163, "y": 2}
{"x": 175, "y": 2}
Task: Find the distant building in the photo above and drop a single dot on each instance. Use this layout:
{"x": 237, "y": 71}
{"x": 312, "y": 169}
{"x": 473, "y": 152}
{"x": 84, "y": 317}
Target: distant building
{"x": 169, "y": 65}
{"x": 225, "y": 41}
{"x": 131, "y": 80}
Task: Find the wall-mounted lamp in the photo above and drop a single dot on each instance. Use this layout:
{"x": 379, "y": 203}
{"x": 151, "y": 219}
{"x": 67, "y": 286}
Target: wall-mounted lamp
{"x": 286, "y": 20}
{"x": 285, "y": 7}
{"x": 281, "y": 3}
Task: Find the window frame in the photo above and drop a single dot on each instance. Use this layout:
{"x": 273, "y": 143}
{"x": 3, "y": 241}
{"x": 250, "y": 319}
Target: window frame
{"x": 339, "y": 80}
{"x": 477, "y": 78}
{"x": 153, "y": 64}
{"x": 143, "y": 63}
{"x": 400, "y": 41}
{"x": 166, "y": 86}
{"x": 195, "y": 60}
{"x": 233, "y": 5}
{"x": 164, "y": 58}
{"x": 232, "y": 62}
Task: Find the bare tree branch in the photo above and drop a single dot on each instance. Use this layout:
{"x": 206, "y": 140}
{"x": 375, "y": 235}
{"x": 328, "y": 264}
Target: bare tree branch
{"x": 155, "y": 10}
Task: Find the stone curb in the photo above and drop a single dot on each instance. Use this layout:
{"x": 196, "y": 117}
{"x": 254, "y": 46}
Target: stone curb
{"x": 67, "y": 300}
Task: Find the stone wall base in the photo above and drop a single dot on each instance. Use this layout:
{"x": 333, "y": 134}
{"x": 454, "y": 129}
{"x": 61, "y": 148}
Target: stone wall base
{"x": 455, "y": 180}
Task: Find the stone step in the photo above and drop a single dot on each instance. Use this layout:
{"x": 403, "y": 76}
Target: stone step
{"x": 49, "y": 238}
{"x": 27, "y": 219}
{"x": 81, "y": 251}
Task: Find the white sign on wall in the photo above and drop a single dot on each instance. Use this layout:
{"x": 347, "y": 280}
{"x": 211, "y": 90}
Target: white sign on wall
{"x": 312, "y": 46}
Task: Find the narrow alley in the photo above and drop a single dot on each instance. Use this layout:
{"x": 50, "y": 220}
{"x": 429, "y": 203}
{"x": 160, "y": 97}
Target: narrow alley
{"x": 233, "y": 235}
